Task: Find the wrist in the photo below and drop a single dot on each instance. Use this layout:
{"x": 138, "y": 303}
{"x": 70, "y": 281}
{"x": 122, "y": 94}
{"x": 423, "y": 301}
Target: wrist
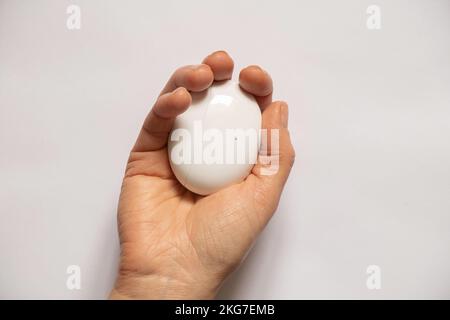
{"x": 158, "y": 287}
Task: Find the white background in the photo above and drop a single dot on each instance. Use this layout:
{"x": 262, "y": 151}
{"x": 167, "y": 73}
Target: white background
{"x": 370, "y": 120}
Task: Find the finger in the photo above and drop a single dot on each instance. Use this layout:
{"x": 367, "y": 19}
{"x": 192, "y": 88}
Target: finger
{"x": 159, "y": 121}
{"x": 194, "y": 78}
{"x": 258, "y": 82}
{"x": 221, "y": 65}
{"x": 277, "y": 153}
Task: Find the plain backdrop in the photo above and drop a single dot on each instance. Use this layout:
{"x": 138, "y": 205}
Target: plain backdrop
{"x": 370, "y": 120}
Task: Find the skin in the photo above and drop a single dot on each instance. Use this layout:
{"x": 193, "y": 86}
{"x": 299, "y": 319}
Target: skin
{"x": 176, "y": 244}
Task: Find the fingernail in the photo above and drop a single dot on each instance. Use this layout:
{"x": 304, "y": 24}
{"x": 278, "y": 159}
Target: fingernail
{"x": 284, "y": 114}
{"x": 179, "y": 90}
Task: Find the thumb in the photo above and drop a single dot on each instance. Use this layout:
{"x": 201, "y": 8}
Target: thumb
{"x": 277, "y": 154}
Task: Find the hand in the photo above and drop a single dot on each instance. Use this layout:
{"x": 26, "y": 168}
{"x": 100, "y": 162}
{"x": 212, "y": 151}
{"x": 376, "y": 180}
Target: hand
{"x": 176, "y": 244}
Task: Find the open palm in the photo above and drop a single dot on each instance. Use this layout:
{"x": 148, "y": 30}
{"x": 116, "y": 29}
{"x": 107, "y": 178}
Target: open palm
{"x": 177, "y": 244}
